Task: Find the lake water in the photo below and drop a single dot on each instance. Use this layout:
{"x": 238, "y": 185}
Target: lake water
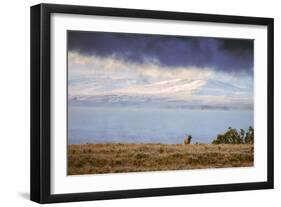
{"x": 142, "y": 125}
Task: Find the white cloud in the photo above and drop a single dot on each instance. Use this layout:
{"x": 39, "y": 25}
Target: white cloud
{"x": 135, "y": 78}
{"x": 166, "y": 88}
{"x": 91, "y": 76}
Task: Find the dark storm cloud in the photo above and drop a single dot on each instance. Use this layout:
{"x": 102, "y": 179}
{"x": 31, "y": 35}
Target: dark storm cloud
{"x": 228, "y": 55}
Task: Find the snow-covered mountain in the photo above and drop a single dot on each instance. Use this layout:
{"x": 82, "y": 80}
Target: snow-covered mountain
{"x": 220, "y": 88}
{"x": 211, "y": 94}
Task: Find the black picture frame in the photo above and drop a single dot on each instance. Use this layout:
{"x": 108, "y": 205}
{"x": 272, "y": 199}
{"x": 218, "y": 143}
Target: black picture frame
{"x": 41, "y": 103}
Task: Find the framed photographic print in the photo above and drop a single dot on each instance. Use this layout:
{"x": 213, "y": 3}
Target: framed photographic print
{"x": 133, "y": 103}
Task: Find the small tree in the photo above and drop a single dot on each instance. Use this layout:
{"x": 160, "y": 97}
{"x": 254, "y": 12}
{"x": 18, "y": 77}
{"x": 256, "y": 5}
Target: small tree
{"x": 249, "y": 138}
{"x": 242, "y": 135}
{"x": 219, "y": 139}
{"x": 232, "y": 136}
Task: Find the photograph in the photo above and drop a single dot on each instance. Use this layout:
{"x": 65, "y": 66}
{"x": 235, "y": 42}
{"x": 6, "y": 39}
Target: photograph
{"x": 155, "y": 102}
{"x": 132, "y": 103}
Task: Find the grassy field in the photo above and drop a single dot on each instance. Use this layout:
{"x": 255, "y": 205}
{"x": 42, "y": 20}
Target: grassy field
{"x": 117, "y": 158}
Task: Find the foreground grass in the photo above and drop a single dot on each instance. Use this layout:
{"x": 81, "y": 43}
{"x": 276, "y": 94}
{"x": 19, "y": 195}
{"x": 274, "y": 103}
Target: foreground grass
{"x": 116, "y": 158}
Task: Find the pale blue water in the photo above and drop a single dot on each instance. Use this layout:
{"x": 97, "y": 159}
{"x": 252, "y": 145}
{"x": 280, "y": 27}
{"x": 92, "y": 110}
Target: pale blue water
{"x": 142, "y": 125}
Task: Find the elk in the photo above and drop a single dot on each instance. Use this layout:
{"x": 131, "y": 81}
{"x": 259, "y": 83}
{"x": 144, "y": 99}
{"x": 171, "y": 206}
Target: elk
{"x": 187, "y": 139}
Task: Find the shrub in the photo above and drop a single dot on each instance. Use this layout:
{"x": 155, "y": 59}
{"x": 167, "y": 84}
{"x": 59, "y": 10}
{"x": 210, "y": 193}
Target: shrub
{"x": 249, "y": 138}
{"x": 232, "y": 136}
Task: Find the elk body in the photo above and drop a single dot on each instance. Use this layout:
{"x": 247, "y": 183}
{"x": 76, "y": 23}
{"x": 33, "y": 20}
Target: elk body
{"x": 187, "y": 139}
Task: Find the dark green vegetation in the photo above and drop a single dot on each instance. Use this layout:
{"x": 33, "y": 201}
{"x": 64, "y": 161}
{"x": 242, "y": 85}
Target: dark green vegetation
{"x": 232, "y": 136}
{"x": 117, "y": 158}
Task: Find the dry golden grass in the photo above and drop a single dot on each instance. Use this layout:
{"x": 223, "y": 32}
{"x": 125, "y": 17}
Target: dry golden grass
{"x": 116, "y": 158}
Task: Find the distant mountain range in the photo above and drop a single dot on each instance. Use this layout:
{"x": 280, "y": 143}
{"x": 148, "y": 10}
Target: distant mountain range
{"x": 198, "y": 94}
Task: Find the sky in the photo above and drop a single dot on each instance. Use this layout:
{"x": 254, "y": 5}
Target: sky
{"x": 143, "y": 70}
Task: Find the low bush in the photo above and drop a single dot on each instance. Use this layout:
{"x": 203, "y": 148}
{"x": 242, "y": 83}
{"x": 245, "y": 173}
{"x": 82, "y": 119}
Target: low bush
{"x": 232, "y": 136}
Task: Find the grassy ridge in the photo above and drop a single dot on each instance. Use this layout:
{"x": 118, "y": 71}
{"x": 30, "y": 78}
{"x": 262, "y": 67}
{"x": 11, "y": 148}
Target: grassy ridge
{"x": 116, "y": 158}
